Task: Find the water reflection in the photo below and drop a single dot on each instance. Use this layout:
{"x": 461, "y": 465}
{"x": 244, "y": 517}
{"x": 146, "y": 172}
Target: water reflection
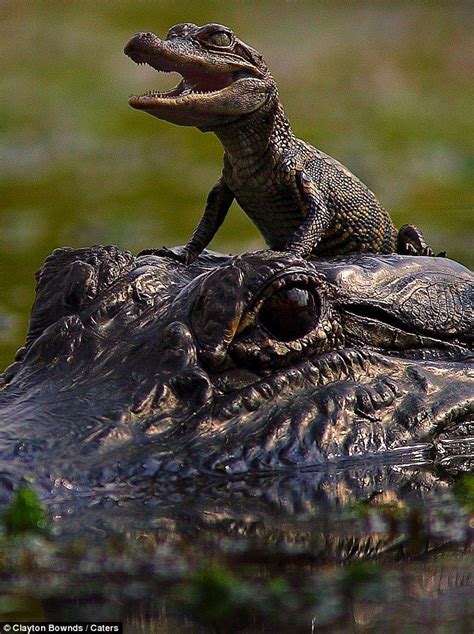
{"x": 269, "y": 552}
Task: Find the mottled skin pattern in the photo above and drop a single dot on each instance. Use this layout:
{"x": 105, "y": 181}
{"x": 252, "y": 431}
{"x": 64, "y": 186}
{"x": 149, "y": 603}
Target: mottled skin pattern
{"x": 140, "y": 368}
{"x": 301, "y": 200}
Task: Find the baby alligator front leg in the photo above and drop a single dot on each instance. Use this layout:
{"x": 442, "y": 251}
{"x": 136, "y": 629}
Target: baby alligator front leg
{"x": 317, "y": 217}
{"x": 218, "y": 202}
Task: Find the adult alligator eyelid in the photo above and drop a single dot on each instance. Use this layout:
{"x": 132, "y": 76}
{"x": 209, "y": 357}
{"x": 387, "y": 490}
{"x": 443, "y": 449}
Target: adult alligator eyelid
{"x": 283, "y": 279}
{"x": 290, "y": 276}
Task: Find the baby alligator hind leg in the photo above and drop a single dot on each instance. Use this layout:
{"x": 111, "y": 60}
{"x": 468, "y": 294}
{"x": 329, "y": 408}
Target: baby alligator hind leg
{"x": 410, "y": 241}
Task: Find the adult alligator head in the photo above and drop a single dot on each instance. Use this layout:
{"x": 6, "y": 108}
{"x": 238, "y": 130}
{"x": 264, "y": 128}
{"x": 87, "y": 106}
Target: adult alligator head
{"x": 142, "y": 367}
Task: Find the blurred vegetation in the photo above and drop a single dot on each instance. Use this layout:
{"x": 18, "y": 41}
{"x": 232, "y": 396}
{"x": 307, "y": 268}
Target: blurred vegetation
{"x": 339, "y": 571}
{"x": 383, "y": 87}
{"x": 25, "y": 513}
{"x": 464, "y": 491}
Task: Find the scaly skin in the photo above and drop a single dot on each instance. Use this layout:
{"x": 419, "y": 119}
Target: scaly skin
{"x": 141, "y": 367}
{"x": 301, "y": 199}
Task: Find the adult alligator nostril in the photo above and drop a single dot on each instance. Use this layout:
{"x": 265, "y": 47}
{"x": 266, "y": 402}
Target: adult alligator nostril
{"x": 194, "y": 385}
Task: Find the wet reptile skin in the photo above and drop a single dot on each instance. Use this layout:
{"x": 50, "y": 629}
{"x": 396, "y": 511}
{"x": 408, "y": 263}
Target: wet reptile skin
{"x": 142, "y": 367}
{"x": 301, "y": 199}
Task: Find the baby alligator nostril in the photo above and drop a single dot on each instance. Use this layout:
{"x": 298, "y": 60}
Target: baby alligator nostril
{"x": 138, "y": 44}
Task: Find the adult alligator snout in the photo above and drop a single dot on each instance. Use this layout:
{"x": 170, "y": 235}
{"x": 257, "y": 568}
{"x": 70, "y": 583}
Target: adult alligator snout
{"x": 142, "y": 367}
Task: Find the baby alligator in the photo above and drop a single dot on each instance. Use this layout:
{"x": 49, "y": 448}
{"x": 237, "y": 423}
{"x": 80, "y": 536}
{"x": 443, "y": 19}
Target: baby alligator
{"x": 301, "y": 199}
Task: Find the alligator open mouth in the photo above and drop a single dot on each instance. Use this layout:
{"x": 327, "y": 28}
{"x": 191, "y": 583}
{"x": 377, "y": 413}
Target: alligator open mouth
{"x": 197, "y": 80}
{"x": 193, "y": 83}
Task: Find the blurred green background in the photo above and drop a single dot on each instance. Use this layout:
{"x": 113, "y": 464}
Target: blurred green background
{"x": 382, "y": 86}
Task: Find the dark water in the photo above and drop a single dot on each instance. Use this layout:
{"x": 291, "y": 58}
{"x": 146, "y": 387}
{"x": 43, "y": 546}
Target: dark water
{"x": 382, "y": 87}
{"x": 286, "y": 544}
{"x": 360, "y": 549}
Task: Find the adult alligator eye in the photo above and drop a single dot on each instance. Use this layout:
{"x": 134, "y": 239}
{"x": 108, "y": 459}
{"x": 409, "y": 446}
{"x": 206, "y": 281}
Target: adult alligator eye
{"x": 289, "y": 313}
{"x": 220, "y": 38}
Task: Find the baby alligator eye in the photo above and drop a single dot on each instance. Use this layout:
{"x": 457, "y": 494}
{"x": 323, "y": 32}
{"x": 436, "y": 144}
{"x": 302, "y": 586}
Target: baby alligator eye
{"x": 289, "y": 313}
{"x": 220, "y": 38}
